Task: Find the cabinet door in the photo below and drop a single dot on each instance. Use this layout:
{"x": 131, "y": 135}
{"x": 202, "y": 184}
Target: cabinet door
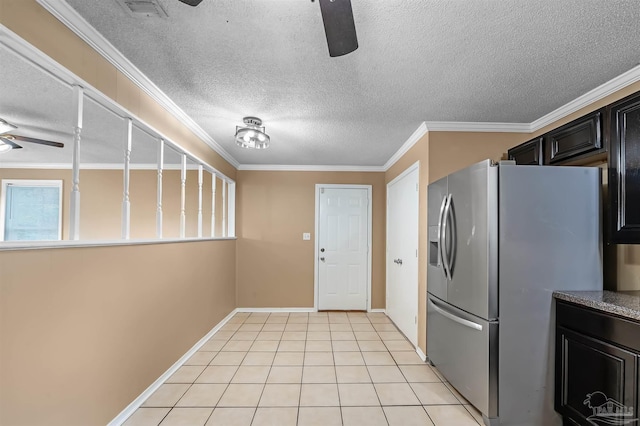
{"x": 592, "y": 376}
{"x": 528, "y": 153}
{"x": 579, "y": 137}
{"x": 624, "y": 171}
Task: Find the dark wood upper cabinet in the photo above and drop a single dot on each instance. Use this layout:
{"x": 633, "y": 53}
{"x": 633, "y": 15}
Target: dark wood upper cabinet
{"x": 575, "y": 139}
{"x": 579, "y": 142}
{"x": 624, "y": 170}
{"x": 528, "y": 153}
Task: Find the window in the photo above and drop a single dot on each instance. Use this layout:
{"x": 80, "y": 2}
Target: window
{"x": 30, "y": 210}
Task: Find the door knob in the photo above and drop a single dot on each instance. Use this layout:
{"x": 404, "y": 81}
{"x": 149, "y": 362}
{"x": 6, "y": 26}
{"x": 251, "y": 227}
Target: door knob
{"x": 322, "y": 259}
{"x": 322, "y": 250}
{"x": 397, "y": 261}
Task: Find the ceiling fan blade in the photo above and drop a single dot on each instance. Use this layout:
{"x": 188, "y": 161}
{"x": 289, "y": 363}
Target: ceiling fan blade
{"x": 339, "y": 26}
{"x": 191, "y": 2}
{"x": 10, "y": 142}
{"x": 5, "y": 126}
{"x": 32, "y": 140}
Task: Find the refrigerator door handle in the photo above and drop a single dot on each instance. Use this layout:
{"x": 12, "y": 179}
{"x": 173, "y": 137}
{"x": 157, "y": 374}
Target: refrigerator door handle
{"x": 440, "y": 234}
{"x": 443, "y": 245}
{"x": 450, "y": 215}
{"x": 454, "y": 317}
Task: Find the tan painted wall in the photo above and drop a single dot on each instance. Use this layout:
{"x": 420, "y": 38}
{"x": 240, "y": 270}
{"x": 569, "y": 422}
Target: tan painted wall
{"x": 451, "y": 151}
{"x": 83, "y": 331}
{"x": 275, "y": 266}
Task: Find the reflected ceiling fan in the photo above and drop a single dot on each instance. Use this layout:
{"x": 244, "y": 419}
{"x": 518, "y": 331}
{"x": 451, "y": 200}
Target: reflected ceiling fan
{"x": 339, "y": 26}
{"x": 8, "y": 141}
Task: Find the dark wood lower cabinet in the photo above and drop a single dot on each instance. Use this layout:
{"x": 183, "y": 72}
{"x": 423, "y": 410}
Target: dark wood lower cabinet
{"x": 596, "y": 372}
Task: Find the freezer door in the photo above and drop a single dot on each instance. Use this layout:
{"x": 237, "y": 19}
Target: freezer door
{"x": 464, "y": 348}
{"x": 471, "y": 240}
{"x": 436, "y": 279}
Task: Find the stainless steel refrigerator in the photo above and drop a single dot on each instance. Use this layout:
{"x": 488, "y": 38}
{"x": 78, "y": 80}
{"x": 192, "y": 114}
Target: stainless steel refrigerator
{"x": 502, "y": 238}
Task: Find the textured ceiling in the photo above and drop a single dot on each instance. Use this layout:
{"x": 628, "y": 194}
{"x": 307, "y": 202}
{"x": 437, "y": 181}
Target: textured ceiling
{"x": 418, "y": 60}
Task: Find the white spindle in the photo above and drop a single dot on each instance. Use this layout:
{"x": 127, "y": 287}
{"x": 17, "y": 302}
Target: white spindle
{"x": 200, "y": 201}
{"x": 78, "y": 108}
{"x": 231, "y": 202}
{"x": 224, "y": 208}
{"x": 183, "y": 192}
{"x": 159, "y": 188}
{"x": 126, "y": 203}
{"x": 213, "y": 205}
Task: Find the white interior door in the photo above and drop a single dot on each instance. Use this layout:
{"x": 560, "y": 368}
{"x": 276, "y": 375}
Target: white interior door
{"x": 343, "y": 272}
{"x": 402, "y": 252}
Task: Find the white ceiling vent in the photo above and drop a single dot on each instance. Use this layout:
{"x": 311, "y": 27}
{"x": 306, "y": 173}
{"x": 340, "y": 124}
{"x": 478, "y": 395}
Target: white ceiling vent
{"x": 143, "y": 8}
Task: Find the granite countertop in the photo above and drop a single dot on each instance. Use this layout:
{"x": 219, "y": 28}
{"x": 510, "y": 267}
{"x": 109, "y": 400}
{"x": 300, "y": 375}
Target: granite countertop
{"x": 623, "y": 303}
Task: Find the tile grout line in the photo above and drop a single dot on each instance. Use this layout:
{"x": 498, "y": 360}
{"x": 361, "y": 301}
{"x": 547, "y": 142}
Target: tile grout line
{"x": 231, "y": 379}
{"x": 374, "y": 386}
{"x": 255, "y": 411}
{"x": 228, "y": 340}
{"x": 335, "y": 371}
{"x": 194, "y": 381}
{"x": 304, "y": 353}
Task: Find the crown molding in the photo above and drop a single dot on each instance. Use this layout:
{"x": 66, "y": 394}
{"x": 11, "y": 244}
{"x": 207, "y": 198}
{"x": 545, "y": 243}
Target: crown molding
{"x": 462, "y": 126}
{"x": 308, "y": 168}
{"x": 600, "y": 92}
{"x": 413, "y": 139}
{"x": 76, "y": 23}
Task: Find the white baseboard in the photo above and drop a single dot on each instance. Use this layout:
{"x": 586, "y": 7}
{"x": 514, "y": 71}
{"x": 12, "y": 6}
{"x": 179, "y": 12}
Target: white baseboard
{"x": 275, "y": 310}
{"x": 421, "y": 354}
{"x": 382, "y": 311}
{"x": 131, "y": 408}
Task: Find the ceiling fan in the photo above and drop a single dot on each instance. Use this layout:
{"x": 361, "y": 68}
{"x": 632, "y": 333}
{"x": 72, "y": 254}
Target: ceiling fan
{"x": 7, "y": 141}
{"x": 339, "y": 26}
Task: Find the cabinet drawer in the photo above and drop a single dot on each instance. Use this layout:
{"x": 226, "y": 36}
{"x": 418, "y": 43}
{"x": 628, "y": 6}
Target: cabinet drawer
{"x": 528, "y": 153}
{"x": 464, "y": 349}
{"x": 576, "y": 138}
{"x": 599, "y": 325}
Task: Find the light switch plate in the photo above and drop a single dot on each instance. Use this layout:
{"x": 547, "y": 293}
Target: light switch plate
{"x": 306, "y": 236}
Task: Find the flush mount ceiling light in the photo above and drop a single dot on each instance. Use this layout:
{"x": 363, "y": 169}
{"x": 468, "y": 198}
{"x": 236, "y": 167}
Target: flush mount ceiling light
{"x": 252, "y": 135}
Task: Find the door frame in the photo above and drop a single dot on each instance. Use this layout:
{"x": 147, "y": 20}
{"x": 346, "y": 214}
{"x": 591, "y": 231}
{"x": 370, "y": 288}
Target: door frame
{"x": 406, "y": 172}
{"x": 316, "y": 270}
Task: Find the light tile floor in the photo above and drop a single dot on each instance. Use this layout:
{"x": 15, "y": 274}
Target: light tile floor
{"x": 305, "y": 369}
